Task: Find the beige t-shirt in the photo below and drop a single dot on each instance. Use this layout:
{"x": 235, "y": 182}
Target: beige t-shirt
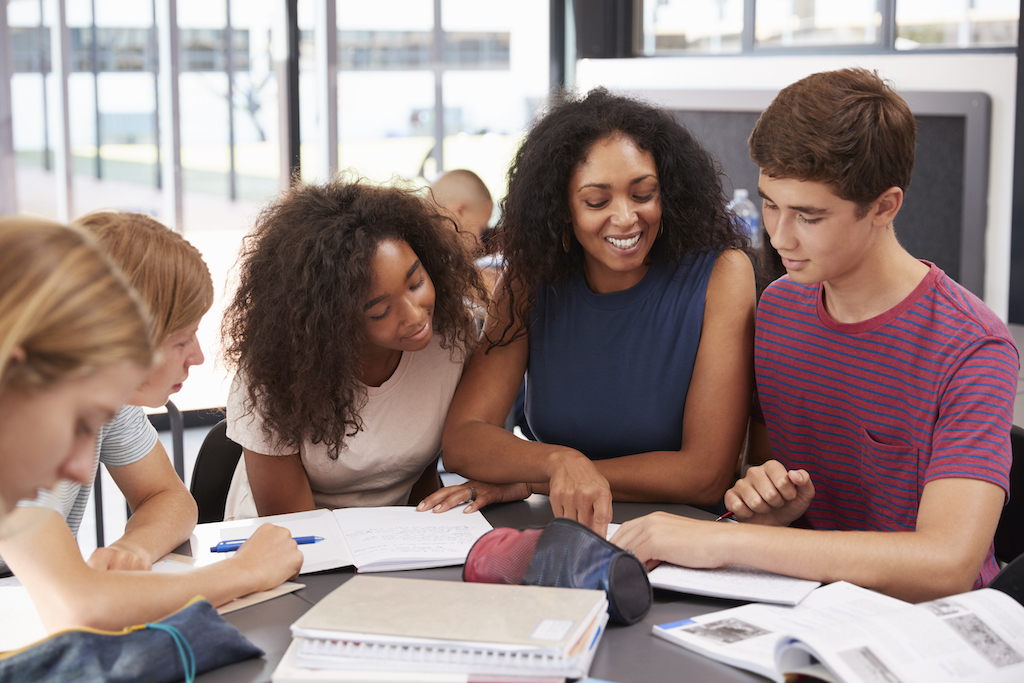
{"x": 402, "y": 423}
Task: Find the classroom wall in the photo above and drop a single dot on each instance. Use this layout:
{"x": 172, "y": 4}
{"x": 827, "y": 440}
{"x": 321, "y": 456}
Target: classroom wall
{"x": 994, "y": 74}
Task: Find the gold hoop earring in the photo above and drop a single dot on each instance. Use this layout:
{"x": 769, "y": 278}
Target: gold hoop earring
{"x": 566, "y": 240}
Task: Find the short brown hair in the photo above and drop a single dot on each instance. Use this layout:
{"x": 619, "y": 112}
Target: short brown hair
{"x": 163, "y": 267}
{"x": 847, "y": 128}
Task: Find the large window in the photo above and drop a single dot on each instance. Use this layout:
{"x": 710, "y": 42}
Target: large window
{"x": 789, "y": 23}
{"x": 956, "y": 23}
{"x": 490, "y": 71}
{"x": 733, "y": 26}
{"x": 414, "y": 99}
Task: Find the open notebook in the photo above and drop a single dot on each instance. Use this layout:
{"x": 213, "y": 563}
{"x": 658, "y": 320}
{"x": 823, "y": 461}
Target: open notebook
{"x": 371, "y": 539}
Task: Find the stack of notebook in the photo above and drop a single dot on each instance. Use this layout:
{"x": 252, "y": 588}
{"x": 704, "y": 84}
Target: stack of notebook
{"x": 423, "y": 630}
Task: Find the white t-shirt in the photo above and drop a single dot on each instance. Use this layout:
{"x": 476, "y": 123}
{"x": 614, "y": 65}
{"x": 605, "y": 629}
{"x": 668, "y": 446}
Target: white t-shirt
{"x": 402, "y": 423}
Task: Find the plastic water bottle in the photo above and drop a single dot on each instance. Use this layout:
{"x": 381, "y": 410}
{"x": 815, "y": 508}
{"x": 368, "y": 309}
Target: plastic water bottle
{"x": 748, "y": 214}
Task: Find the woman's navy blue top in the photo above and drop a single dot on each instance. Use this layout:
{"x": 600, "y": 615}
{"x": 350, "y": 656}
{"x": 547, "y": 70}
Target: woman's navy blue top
{"x": 608, "y": 374}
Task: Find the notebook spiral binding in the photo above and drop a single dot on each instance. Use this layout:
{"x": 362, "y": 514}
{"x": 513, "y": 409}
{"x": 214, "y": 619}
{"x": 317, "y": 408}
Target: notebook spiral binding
{"x": 318, "y": 651}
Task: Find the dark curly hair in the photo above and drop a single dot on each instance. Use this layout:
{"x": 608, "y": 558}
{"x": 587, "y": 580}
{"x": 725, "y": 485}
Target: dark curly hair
{"x": 536, "y": 211}
{"x": 294, "y": 328}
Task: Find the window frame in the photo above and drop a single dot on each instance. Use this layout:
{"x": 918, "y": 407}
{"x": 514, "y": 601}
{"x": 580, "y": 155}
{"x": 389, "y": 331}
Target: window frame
{"x": 748, "y": 44}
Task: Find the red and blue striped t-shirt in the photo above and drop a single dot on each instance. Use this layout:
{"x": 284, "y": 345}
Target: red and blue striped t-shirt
{"x": 875, "y": 410}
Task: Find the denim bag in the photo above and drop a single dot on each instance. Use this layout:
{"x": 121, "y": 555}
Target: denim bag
{"x": 565, "y": 554}
{"x": 191, "y": 641}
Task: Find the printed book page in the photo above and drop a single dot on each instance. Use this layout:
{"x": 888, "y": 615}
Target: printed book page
{"x": 748, "y": 636}
{"x": 975, "y": 637}
{"x": 734, "y": 582}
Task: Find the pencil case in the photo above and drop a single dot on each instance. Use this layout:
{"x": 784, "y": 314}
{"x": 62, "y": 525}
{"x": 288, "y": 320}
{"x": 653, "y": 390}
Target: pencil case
{"x": 192, "y": 640}
{"x": 565, "y": 554}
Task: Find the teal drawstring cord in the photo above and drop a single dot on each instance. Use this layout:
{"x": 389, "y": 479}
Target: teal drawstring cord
{"x": 188, "y": 657}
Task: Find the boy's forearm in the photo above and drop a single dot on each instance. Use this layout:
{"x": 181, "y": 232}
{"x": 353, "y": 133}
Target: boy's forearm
{"x": 908, "y": 565}
{"x": 159, "y": 525}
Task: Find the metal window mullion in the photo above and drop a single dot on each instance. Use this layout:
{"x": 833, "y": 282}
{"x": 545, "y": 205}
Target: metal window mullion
{"x": 95, "y": 58}
{"x": 437, "y": 53}
{"x": 60, "y": 66}
{"x": 169, "y": 48}
{"x": 154, "y": 68}
{"x": 287, "y": 70}
{"x": 326, "y": 42}
{"x": 556, "y": 46}
{"x": 229, "y": 70}
{"x": 42, "y": 78}
{"x": 8, "y": 185}
{"x": 748, "y": 42}
{"x": 887, "y": 31}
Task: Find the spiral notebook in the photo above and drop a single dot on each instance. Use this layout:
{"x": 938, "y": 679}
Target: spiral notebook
{"x": 392, "y": 624}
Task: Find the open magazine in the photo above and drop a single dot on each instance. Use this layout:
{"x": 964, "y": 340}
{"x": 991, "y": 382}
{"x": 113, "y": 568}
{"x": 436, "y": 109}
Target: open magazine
{"x": 848, "y": 634}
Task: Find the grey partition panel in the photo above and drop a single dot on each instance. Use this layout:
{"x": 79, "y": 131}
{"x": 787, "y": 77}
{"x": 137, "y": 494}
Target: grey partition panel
{"x": 945, "y": 211}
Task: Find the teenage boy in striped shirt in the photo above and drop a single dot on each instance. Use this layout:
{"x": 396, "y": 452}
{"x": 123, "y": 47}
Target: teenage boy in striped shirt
{"x": 880, "y": 449}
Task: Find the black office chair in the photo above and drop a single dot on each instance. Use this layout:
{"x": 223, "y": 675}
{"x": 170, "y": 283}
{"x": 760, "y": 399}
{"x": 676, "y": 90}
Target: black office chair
{"x": 211, "y": 477}
{"x": 1011, "y": 580}
{"x": 1009, "y": 539}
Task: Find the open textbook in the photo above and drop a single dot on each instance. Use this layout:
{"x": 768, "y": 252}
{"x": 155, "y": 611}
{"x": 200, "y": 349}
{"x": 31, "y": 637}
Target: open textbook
{"x": 371, "y": 539}
{"x": 848, "y": 634}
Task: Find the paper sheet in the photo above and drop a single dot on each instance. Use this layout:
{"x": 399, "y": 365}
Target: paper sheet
{"x": 20, "y": 624}
{"x": 734, "y": 582}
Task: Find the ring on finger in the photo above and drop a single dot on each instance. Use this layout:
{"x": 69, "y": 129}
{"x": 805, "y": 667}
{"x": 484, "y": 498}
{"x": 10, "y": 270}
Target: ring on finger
{"x": 472, "y": 494}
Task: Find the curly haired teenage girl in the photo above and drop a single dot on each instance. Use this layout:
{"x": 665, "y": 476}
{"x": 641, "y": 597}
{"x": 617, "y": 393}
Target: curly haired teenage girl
{"x": 349, "y": 331}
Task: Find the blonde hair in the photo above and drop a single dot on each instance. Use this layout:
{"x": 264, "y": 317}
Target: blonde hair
{"x": 64, "y": 305}
{"x": 164, "y": 268}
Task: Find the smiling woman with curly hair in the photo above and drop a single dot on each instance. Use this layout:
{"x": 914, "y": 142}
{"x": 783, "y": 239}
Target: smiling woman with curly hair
{"x": 349, "y": 333}
{"x": 628, "y": 301}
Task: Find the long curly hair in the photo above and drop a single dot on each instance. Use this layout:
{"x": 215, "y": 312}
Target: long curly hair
{"x": 535, "y": 212}
{"x": 294, "y": 329}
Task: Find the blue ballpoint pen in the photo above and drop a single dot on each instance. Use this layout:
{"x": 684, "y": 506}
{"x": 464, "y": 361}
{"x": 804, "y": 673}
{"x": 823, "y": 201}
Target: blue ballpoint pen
{"x": 235, "y": 544}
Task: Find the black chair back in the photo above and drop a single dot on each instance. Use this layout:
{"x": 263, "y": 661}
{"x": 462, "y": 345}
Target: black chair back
{"x": 1011, "y": 580}
{"x": 215, "y": 465}
{"x": 1009, "y": 539}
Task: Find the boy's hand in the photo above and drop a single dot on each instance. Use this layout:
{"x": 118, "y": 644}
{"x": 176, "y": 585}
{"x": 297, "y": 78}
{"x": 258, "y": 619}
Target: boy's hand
{"x": 112, "y": 557}
{"x": 663, "y": 537}
{"x": 770, "y": 494}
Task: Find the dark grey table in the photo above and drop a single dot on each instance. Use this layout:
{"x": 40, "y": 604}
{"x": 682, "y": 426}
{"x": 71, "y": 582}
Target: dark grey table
{"x": 627, "y": 654}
